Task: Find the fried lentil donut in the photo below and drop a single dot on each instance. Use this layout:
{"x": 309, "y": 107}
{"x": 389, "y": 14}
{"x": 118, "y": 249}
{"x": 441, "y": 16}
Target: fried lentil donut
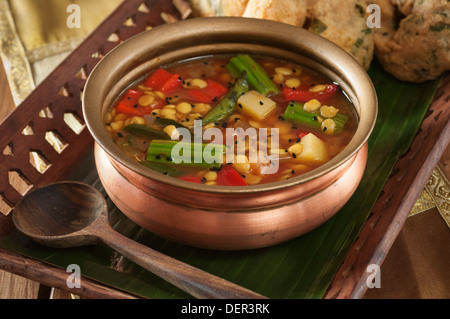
{"x": 211, "y": 8}
{"x": 343, "y": 22}
{"x": 416, "y": 48}
{"x": 404, "y": 6}
{"x": 287, "y": 11}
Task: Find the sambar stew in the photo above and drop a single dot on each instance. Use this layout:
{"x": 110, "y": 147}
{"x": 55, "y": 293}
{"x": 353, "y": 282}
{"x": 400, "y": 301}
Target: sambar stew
{"x": 293, "y": 120}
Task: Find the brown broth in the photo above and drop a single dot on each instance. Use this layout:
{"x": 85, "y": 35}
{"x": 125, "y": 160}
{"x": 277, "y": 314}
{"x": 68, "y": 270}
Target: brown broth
{"x": 214, "y": 69}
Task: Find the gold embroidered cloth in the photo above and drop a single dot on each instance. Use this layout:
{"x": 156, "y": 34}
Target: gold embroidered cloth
{"x": 35, "y": 37}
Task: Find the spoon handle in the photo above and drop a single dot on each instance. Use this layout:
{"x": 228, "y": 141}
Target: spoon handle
{"x": 194, "y": 281}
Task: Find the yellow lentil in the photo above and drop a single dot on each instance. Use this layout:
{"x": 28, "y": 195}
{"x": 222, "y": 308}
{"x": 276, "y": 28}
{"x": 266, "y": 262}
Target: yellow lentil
{"x": 278, "y": 151}
{"x": 117, "y": 125}
{"x": 296, "y": 149}
{"x": 278, "y": 78}
{"x": 195, "y": 83}
{"x": 172, "y": 131}
{"x": 160, "y": 95}
{"x": 184, "y": 108}
{"x": 201, "y": 108}
{"x": 137, "y": 120}
{"x": 241, "y": 164}
{"x": 285, "y": 177}
{"x": 312, "y": 105}
{"x": 318, "y": 88}
{"x": 146, "y": 100}
{"x": 108, "y": 117}
{"x": 210, "y": 176}
{"x": 297, "y": 71}
{"x": 194, "y": 116}
{"x": 120, "y": 117}
{"x": 293, "y": 83}
{"x": 287, "y": 172}
{"x": 156, "y": 112}
{"x": 252, "y": 179}
{"x": 328, "y": 111}
{"x": 300, "y": 167}
{"x": 199, "y": 83}
{"x": 328, "y": 126}
{"x": 168, "y": 112}
{"x": 283, "y": 71}
{"x": 208, "y": 126}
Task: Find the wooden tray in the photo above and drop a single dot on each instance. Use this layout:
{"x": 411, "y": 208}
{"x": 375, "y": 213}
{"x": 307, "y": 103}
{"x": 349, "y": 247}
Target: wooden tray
{"x": 57, "y": 99}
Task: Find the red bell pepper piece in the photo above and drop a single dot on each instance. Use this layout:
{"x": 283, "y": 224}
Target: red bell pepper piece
{"x": 171, "y": 84}
{"x": 159, "y": 104}
{"x": 191, "y": 178}
{"x": 158, "y": 78}
{"x": 215, "y": 89}
{"x": 227, "y": 176}
{"x": 305, "y": 96}
{"x": 135, "y": 110}
{"x": 199, "y": 96}
{"x": 133, "y": 95}
{"x": 163, "y": 80}
{"x": 129, "y": 104}
{"x": 211, "y": 93}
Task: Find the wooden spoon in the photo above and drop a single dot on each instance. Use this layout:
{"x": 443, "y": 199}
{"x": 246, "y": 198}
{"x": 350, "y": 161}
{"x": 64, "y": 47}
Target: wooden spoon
{"x": 70, "y": 214}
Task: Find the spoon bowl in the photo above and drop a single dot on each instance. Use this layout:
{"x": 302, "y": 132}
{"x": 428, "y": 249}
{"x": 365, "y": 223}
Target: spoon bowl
{"x": 71, "y": 214}
{"x": 58, "y": 214}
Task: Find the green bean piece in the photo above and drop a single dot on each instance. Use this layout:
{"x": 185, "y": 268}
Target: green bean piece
{"x": 146, "y": 131}
{"x": 227, "y": 105}
{"x": 186, "y": 154}
{"x": 164, "y": 121}
{"x": 296, "y": 114}
{"x": 257, "y": 77}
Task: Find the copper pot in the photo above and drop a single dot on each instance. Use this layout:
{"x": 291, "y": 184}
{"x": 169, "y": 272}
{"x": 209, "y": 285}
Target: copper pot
{"x": 218, "y": 217}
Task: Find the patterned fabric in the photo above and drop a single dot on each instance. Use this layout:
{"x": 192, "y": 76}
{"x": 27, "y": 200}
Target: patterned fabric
{"x": 35, "y": 35}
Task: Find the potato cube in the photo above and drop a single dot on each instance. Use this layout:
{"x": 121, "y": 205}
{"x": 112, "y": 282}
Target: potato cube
{"x": 256, "y": 105}
{"x": 314, "y": 150}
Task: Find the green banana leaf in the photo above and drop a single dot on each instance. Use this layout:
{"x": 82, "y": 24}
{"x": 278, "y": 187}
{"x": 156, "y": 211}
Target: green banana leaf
{"x": 300, "y": 268}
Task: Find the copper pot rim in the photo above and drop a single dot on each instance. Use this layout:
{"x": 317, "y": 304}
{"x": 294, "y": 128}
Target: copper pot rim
{"x": 212, "y": 32}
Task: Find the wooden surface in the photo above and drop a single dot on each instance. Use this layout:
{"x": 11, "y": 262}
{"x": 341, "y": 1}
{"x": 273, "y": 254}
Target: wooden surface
{"x": 67, "y": 100}
{"x": 14, "y": 286}
{"x": 401, "y": 191}
{"x": 415, "y": 249}
{"x": 76, "y": 214}
{"x": 23, "y": 288}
